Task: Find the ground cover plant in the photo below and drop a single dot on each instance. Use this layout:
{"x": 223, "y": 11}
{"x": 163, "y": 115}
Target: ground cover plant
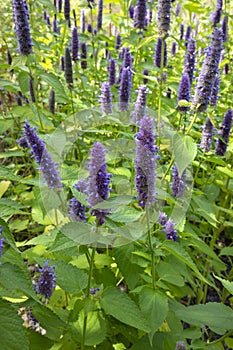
{"x": 116, "y": 175}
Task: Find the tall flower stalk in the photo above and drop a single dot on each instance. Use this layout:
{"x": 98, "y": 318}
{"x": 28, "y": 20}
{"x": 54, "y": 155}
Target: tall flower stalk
{"x": 164, "y": 9}
{"x": 222, "y": 141}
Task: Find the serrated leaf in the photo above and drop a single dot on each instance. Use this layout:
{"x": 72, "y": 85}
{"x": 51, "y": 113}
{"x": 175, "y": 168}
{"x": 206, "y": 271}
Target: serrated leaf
{"x": 69, "y": 277}
{"x": 126, "y": 214}
{"x": 185, "y": 150}
{"x": 154, "y": 307}
{"x": 13, "y": 334}
{"x": 120, "y": 306}
{"x": 23, "y": 82}
{"x": 226, "y": 284}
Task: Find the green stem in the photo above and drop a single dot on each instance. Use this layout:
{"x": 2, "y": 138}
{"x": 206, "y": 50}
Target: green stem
{"x": 151, "y": 247}
{"x": 192, "y": 122}
{"x": 91, "y": 265}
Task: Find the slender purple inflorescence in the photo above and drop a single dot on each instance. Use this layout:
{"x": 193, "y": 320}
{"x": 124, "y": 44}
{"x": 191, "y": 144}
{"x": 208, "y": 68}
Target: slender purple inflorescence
{"x": 222, "y": 141}
{"x": 68, "y": 67}
{"x": 2, "y": 240}
{"x": 173, "y": 48}
{"x": 208, "y": 72}
{"x": 106, "y": 98}
{"x": 100, "y": 14}
{"x": 22, "y": 29}
{"x": 177, "y": 10}
{"x": 118, "y": 42}
{"x": 112, "y": 72}
{"x": 52, "y": 102}
{"x": 164, "y": 9}
{"x": 140, "y": 105}
{"x": 146, "y": 73}
{"x": 9, "y": 58}
{"x": 180, "y": 345}
{"x": 190, "y": 58}
{"x": 59, "y": 5}
{"x": 207, "y": 136}
{"x": 31, "y": 90}
{"x": 42, "y": 156}
{"x": 184, "y": 92}
{"x": 214, "y": 91}
{"x": 67, "y": 10}
{"x": 124, "y": 90}
{"x": 181, "y": 31}
{"x": 171, "y": 233}
{"x": 131, "y": 11}
{"x": 162, "y": 218}
{"x": 83, "y": 47}
{"x": 89, "y": 28}
{"x": 45, "y": 284}
{"x": 158, "y": 54}
{"x": 75, "y": 44}
{"x": 55, "y": 24}
{"x": 145, "y": 162}
{"x": 82, "y": 21}
{"x": 187, "y": 35}
{"x": 140, "y": 12}
{"x": 99, "y": 179}
{"x": 128, "y": 59}
{"x": 216, "y": 15}
{"x": 63, "y": 63}
{"x": 78, "y": 210}
{"x": 178, "y": 183}
{"x": 224, "y": 28}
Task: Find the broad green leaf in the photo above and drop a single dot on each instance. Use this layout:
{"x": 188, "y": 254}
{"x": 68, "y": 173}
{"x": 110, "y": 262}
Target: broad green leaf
{"x": 23, "y": 82}
{"x": 154, "y": 307}
{"x": 168, "y": 273}
{"x": 54, "y": 82}
{"x": 129, "y": 270}
{"x": 6, "y": 174}
{"x": 69, "y": 277}
{"x": 8, "y": 85}
{"x": 227, "y": 251}
{"x": 175, "y": 249}
{"x": 13, "y": 153}
{"x": 115, "y": 202}
{"x": 218, "y": 317}
{"x": 120, "y": 306}
{"x": 185, "y": 150}
{"x": 224, "y": 171}
{"x": 38, "y": 341}
{"x": 226, "y": 284}
{"x": 126, "y": 214}
{"x": 13, "y": 334}
{"x": 96, "y": 328}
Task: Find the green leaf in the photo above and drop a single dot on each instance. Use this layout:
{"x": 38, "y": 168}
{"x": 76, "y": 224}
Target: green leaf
{"x": 224, "y": 171}
{"x": 218, "y": 317}
{"x": 23, "y": 82}
{"x": 120, "y": 306}
{"x": 129, "y": 270}
{"x": 226, "y": 284}
{"x": 185, "y": 150}
{"x": 168, "y": 273}
{"x": 7, "y": 174}
{"x": 69, "y": 277}
{"x": 13, "y": 334}
{"x": 227, "y": 251}
{"x": 114, "y": 202}
{"x": 178, "y": 251}
{"x": 126, "y": 214}
{"x": 154, "y": 307}
{"x": 52, "y": 80}
{"x": 38, "y": 341}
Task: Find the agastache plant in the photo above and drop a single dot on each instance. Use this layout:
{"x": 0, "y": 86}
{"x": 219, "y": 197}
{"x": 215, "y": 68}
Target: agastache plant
{"x": 77, "y": 210}
{"x": 158, "y": 54}
{"x": 163, "y": 14}
{"x": 22, "y": 28}
{"x": 222, "y": 141}
{"x": 112, "y": 71}
{"x": 190, "y": 58}
{"x": 118, "y": 42}
{"x": 52, "y": 101}
{"x": 83, "y": 47}
{"x": 145, "y": 162}
{"x": 216, "y": 15}
{"x": 184, "y": 92}
{"x": 214, "y": 91}
{"x": 68, "y": 68}
{"x": 140, "y": 104}
{"x": 98, "y": 182}
{"x": 208, "y": 72}
{"x": 100, "y": 14}
{"x": 82, "y": 21}
{"x": 75, "y": 44}
{"x": 106, "y": 98}
{"x": 207, "y": 136}
{"x": 124, "y": 90}
{"x": 224, "y": 28}
{"x": 171, "y": 233}
{"x": 43, "y": 158}
{"x": 140, "y": 12}
{"x": 31, "y": 90}
{"x": 67, "y": 10}
{"x": 45, "y": 284}
{"x": 178, "y": 183}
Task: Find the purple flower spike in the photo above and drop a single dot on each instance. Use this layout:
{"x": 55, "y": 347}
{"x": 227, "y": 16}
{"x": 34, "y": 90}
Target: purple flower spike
{"x": 42, "y": 157}
{"x": 63, "y": 63}
{"x": 214, "y": 91}
{"x": 100, "y": 15}
{"x": 128, "y": 59}
{"x": 31, "y": 90}
{"x": 158, "y": 54}
{"x": 55, "y": 25}
{"x": 181, "y": 31}
{"x": 146, "y": 73}
{"x": 83, "y": 55}
{"x": 177, "y": 10}
{"x": 225, "y": 28}
{"x": 173, "y": 48}
{"x": 89, "y": 28}
{"x": 131, "y": 11}
{"x": 124, "y": 91}
{"x": 68, "y": 68}
{"x": 9, "y": 58}
{"x": 184, "y": 92}
{"x": 93, "y": 290}
{"x": 75, "y": 44}
{"x": 82, "y": 21}
{"x": 140, "y": 105}
{"x": 112, "y": 72}
{"x": 171, "y": 233}
{"x": 22, "y": 29}
{"x": 118, "y": 42}
{"x": 78, "y": 210}
{"x": 45, "y": 284}
{"x": 162, "y": 218}
{"x": 99, "y": 179}
{"x": 59, "y": 5}
{"x": 2, "y": 240}
{"x": 178, "y": 183}
{"x": 140, "y": 12}
{"x": 52, "y": 102}
{"x": 187, "y": 35}
{"x": 207, "y": 136}
{"x": 145, "y": 162}
{"x": 164, "y": 9}
{"x": 190, "y": 58}
{"x": 216, "y": 15}
{"x": 221, "y": 143}
{"x": 67, "y": 10}
{"x": 106, "y": 98}
{"x": 180, "y": 345}
{"x": 208, "y": 72}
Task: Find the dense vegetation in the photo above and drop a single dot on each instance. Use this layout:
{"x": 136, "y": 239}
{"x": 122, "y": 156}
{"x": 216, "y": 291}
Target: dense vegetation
{"x": 116, "y": 175}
